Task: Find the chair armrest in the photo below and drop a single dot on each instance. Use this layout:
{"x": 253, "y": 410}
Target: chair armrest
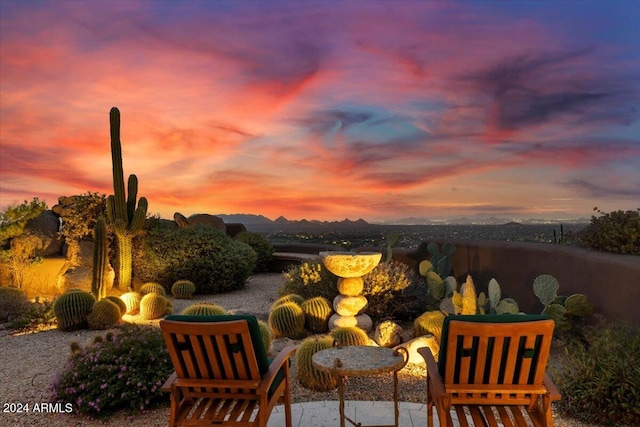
{"x": 433, "y": 375}
{"x": 554, "y": 394}
{"x": 169, "y": 382}
{"x": 277, "y": 363}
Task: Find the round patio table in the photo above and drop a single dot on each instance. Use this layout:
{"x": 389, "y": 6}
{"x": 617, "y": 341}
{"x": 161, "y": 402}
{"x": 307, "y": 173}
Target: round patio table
{"x": 359, "y": 361}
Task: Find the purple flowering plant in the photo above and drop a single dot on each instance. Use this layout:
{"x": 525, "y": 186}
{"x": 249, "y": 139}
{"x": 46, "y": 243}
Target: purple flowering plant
{"x": 123, "y": 370}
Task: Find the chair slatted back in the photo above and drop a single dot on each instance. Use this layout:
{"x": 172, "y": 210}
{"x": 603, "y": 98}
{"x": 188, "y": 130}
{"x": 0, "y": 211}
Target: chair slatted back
{"x": 497, "y": 353}
{"x": 221, "y": 351}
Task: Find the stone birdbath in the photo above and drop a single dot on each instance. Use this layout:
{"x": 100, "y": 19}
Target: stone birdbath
{"x": 350, "y": 267}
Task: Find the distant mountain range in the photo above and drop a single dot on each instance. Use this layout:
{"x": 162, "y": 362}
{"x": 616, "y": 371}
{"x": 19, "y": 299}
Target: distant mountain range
{"x": 262, "y": 223}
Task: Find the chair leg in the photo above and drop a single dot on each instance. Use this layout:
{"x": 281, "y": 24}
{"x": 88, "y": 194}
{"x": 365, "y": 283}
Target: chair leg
{"x": 287, "y": 404}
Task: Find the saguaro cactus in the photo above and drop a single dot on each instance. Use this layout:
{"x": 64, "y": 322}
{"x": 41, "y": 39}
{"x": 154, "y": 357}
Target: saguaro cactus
{"x": 127, "y": 220}
{"x": 100, "y": 260}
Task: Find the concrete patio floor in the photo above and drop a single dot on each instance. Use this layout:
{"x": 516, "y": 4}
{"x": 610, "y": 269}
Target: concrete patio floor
{"x": 326, "y": 414}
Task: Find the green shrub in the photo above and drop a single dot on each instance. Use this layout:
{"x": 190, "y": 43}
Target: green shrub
{"x": 13, "y": 301}
{"x": 123, "y": 370}
{"x": 385, "y": 288}
{"x": 617, "y": 231}
{"x": 310, "y": 279}
{"x": 35, "y": 316}
{"x": 600, "y": 379}
{"x": 14, "y": 218}
{"x": 207, "y": 257}
{"x": 261, "y": 246}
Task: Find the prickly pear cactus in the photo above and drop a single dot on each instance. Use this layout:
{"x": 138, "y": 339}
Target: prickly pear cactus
{"x": 483, "y": 303}
{"x": 495, "y": 293}
{"x": 451, "y": 286}
{"x": 350, "y": 335}
{"x": 287, "y": 320}
{"x": 507, "y": 306}
{"x": 546, "y": 288}
{"x": 578, "y": 305}
{"x": 429, "y": 323}
{"x": 309, "y": 376}
{"x": 557, "y": 313}
{"x": 317, "y": 312}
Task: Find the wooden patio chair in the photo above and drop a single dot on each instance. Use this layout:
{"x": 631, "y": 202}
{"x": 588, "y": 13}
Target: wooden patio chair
{"x": 492, "y": 367}
{"x": 222, "y": 374}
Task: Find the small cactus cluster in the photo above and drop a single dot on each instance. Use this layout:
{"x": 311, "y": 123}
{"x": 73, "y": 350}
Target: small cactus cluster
{"x": 152, "y": 288}
{"x": 294, "y": 298}
{"x": 265, "y": 334}
{"x": 494, "y": 304}
{"x": 131, "y": 301}
{"x": 72, "y": 308}
{"x": 287, "y": 320}
{"x": 441, "y": 261}
{"x": 104, "y": 314}
{"x": 154, "y": 306}
{"x": 349, "y": 335}
{"x": 183, "y": 289}
{"x": 204, "y": 309}
{"x": 119, "y": 302}
{"x": 308, "y": 375}
{"x": 429, "y": 322}
{"x": 317, "y": 312}
{"x": 565, "y": 311}
{"x": 291, "y": 316}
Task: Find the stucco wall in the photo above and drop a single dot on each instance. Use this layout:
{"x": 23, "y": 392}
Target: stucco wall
{"x": 611, "y": 281}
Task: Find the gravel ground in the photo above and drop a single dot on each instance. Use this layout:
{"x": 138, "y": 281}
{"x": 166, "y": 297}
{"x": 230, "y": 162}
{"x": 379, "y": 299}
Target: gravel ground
{"x": 29, "y": 362}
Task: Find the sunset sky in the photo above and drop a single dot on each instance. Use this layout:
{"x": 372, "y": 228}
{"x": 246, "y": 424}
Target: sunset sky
{"x": 326, "y": 109}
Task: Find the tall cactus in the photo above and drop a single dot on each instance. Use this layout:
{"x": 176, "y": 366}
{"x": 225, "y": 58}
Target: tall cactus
{"x": 100, "y": 260}
{"x": 127, "y": 220}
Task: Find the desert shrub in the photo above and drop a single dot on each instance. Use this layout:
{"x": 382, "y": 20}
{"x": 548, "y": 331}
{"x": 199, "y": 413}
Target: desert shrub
{"x": 599, "y": 376}
{"x": 261, "y": 245}
{"x": 385, "y": 288}
{"x": 36, "y": 315}
{"x": 79, "y": 218}
{"x": 123, "y": 370}
{"x": 617, "y": 231}
{"x": 13, "y": 302}
{"x": 310, "y": 279}
{"x": 207, "y": 257}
